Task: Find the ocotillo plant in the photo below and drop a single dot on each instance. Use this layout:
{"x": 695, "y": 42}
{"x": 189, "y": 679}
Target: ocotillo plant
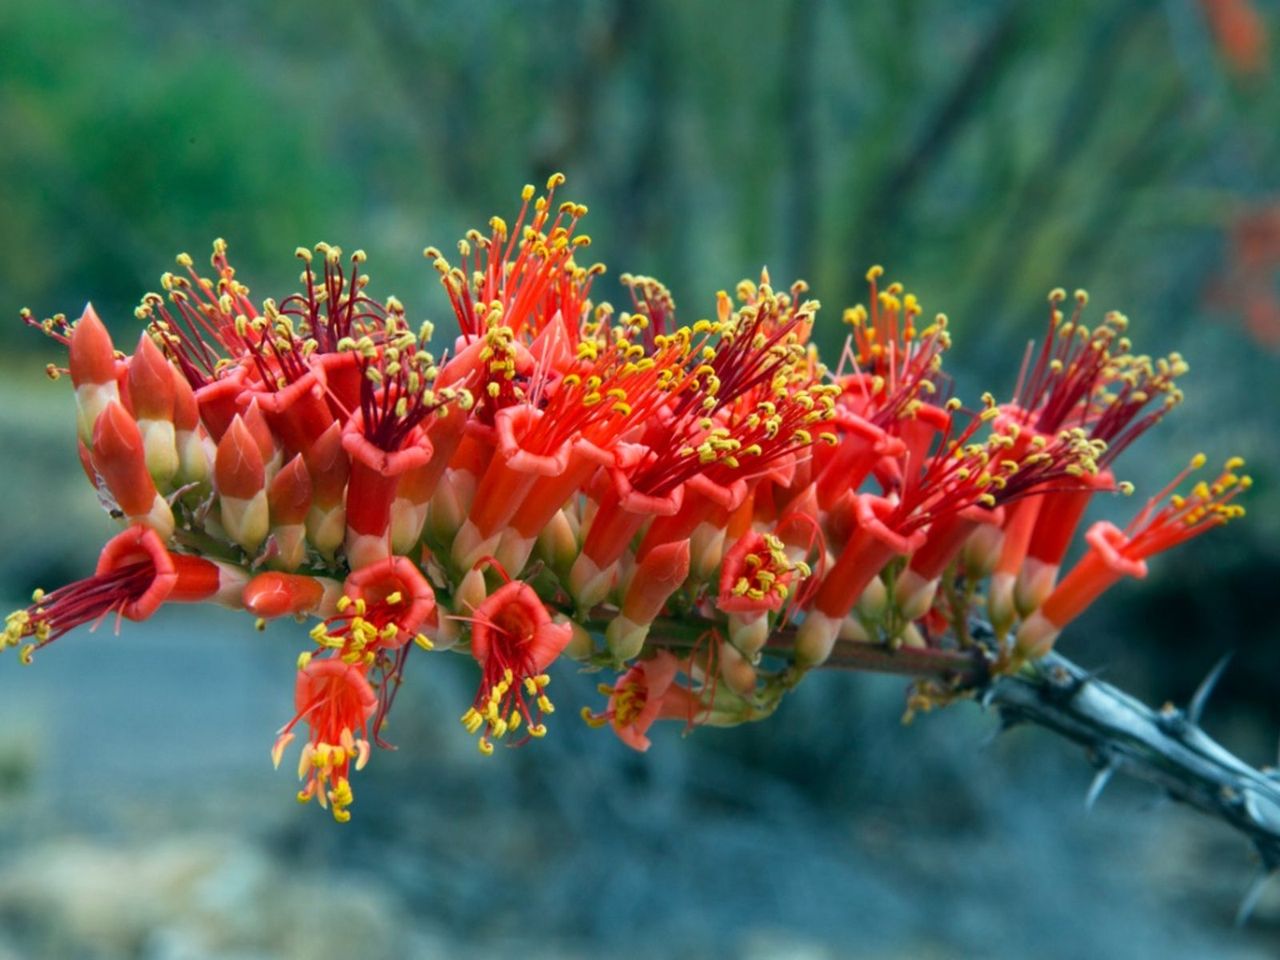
{"x": 703, "y": 508}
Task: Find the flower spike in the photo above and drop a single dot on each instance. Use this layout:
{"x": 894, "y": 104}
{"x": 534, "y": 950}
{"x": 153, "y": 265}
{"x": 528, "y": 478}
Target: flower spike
{"x": 702, "y": 506}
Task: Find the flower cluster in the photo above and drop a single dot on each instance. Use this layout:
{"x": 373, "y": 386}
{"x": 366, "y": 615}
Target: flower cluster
{"x": 703, "y": 507}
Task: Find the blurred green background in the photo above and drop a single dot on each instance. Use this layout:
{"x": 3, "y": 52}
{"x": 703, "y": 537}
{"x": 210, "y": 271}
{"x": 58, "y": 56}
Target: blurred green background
{"x": 984, "y": 152}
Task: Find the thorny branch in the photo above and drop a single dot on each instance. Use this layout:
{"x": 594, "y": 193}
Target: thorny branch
{"x": 1165, "y": 746}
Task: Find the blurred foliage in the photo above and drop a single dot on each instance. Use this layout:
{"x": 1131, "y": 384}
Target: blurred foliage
{"x": 985, "y": 152}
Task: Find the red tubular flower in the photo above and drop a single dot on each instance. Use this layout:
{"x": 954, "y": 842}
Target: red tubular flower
{"x": 91, "y": 355}
{"x": 383, "y": 606}
{"x": 337, "y": 702}
{"x": 861, "y": 445}
{"x": 877, "y": 539}
{"x": 613, "y": 387}
{"x": 342, "y": 378}
{"x": 134, "y": 576}
{"x": 1055, "y": 526}
{"x": 189, "y": 438}
{"x": 749, "y": 402}
{"x": 1139, "y": 392}
{"x": 272, "y": 594}
{"x": 958, "y": 475}
{"x": 445, "y": 430}
{"x": 91, "y": 360}
{"x": 289, "y": 502}
{"x": 1100, "y": 568}
{"x": 894, "y": 360}
{"x": 660, "y": 574}
{"x": 514, "y": 640}
{"x": 1072, "y": 365}
{"x": 916, "y": 585}
{"x": 545, "y": 499}
{"x": 121, "y": 461}
{"x": 307, "y": 376}
{"x": 214, "y": 321}
{"x": 453, "y": 497}
{"x": 757, "y": 578}
{"x": 524, "y": 276}
{"x": 885, "y": 341}
{"x": 411, "y": 505}
{"x": 151, "y": 398}
{"x": 705, "y": 498}
{"x": 511, "y": 474}
{"x": 328, "y": 467}
{"x": 289, "y": 494}
{"x": 297, "y": 413}
{"x": 385, "y": 437}
{"x": 621, "y": 513}
{"x": 1020, "y": 523}
{"x": 1168, "y": 520}
{"x": 918, "y": 430}
{"x": 260, "y": 430}
{"x": 371, "y": 489}
{"x": 387, "y": 604}
{"x": 219, "y": 401}
{"x": 240, "y": 478}
{"x": 641, "y": 696}
{"x": 745, "y": 403}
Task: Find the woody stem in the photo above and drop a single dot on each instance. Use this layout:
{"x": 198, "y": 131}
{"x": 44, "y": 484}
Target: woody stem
{"x": 968, "y": 669}
{"x": 1165, "y": 747}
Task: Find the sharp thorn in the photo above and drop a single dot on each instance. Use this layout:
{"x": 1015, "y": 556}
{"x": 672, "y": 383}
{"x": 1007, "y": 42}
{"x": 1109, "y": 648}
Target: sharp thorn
{"x": 1088, "y": 676}
{"x": 1205, "y": 690}
{"x": 1007, "y": 723}
{"x": 1100, "y": 781}
{"x": 1252, "y": 896}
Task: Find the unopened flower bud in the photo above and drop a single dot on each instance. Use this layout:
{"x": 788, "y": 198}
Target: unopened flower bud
{"x": 240, "y": 478}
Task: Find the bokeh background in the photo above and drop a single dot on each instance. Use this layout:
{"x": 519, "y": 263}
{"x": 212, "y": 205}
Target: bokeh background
{"x": 983, "y": 151}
